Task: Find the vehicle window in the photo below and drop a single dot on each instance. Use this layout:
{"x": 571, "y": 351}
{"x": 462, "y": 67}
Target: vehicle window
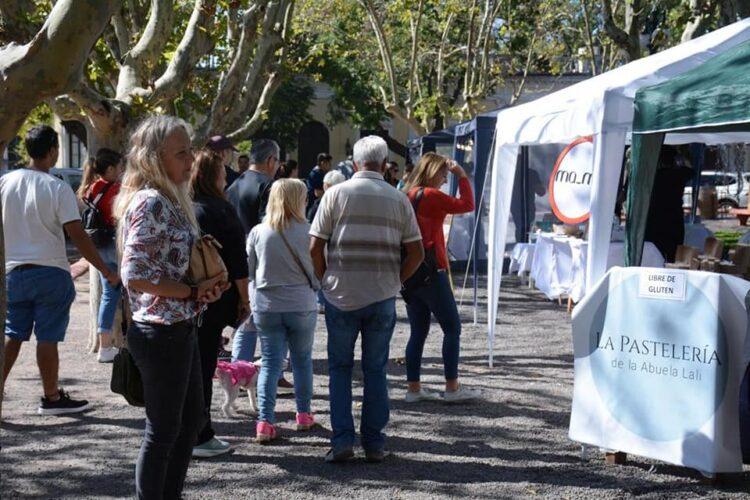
{"x": 729, "y": 180}
{"x": 708, "y": 180}
{"x": 75, "y": 182}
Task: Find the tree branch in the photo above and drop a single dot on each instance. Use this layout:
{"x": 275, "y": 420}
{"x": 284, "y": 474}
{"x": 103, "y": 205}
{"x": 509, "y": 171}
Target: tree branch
{"x": 147, "y": 51}
{"x": 195, "y": 44}
{"x": 385, "y": 51}
{"x": 628, "y": 40}
{"x": 51, "y": 63}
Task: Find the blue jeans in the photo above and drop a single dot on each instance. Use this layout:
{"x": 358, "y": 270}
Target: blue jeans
{"x": 435, "y": 298}
{"x": 277, "y": 331}
{"x": 243, "y": 343}
{"x": 109, "y": 301}
{"x": 376, "y": 323}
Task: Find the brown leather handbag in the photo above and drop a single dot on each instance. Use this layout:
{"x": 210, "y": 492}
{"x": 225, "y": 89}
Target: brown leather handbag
{"x": 205, "y": 261}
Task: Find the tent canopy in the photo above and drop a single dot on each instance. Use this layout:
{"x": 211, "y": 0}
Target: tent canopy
{"x": 601, "y": 106}
{"x": 713, "y": 99}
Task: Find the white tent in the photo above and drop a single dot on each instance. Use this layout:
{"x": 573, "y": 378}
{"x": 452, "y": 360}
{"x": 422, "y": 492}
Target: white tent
{"x": 601, "y": 106}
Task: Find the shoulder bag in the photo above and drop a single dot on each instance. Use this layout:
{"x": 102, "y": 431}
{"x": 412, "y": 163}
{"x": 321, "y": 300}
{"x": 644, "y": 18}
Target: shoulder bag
{"x": 428, "y": 268}
{"x": 205, "y": 260}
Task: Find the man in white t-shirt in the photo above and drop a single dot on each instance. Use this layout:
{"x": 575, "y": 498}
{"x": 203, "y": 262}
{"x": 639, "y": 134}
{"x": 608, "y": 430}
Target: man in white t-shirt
{"x": 36, "y": 208}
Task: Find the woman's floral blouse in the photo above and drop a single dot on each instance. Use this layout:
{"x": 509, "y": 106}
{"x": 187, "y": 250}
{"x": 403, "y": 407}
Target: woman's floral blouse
{"x": 157, "y": 241}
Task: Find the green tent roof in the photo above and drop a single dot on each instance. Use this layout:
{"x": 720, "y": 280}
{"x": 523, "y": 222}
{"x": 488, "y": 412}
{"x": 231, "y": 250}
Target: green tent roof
{"x": 714, "y": 97}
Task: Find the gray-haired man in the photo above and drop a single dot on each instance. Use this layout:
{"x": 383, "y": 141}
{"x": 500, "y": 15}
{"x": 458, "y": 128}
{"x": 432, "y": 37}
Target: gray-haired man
{"x": 364, "y": 222}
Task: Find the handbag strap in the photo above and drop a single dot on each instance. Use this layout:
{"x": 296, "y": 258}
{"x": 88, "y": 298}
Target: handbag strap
{"x": 297, "y": 259}
{"x": 417, "y": 200}
{"x": 95, "y": 202}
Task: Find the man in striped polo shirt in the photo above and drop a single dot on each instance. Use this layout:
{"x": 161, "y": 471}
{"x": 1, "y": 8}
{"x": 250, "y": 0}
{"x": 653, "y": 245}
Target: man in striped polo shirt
{"x": 364, "y": 222}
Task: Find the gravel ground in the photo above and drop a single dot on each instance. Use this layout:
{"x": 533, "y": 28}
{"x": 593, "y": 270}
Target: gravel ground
{"x": 513, "y": 444}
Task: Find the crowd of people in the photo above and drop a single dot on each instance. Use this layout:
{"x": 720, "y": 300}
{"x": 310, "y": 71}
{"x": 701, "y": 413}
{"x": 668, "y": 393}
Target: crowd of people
{"x": 344, "y": 243}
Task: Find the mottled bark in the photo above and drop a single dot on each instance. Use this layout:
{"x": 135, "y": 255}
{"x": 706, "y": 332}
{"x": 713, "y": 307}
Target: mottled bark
{"x": 51, "y": 63}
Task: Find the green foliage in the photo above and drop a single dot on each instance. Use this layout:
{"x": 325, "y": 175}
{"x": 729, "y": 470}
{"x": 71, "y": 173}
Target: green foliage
{"x": 287, "y": 112}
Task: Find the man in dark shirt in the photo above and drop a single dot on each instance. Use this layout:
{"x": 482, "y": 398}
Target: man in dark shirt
{"x": 315, "y": 178}
{"x": 249, "y": 193}
{"x": 224, "y": 147}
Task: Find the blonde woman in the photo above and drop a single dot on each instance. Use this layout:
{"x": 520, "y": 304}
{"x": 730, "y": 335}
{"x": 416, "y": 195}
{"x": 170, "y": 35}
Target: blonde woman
{"x": 157, "y": 228}
{"x": 284, "y": 307}
{"x": 436, "y": 296}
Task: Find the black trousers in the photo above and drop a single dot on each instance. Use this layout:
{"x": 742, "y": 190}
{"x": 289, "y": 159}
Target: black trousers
{"x": 167, "y": 357}
{"x": 216, "y": 317}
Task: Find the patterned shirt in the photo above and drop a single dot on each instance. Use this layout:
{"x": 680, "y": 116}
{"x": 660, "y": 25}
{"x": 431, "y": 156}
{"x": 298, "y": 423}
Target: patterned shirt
{"x": 365, "y": 221}
{"x": 157, "y": 241}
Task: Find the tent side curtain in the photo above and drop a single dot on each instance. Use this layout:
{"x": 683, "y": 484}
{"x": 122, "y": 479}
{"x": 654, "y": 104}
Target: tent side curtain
{"x": 644, "y": 157}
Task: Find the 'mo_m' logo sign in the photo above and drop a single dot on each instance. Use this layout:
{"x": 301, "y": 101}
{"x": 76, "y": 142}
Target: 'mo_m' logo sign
{"x": 570, "y": 182}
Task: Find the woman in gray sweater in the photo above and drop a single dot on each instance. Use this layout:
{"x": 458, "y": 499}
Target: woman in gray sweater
{"x": 284, "y": 306}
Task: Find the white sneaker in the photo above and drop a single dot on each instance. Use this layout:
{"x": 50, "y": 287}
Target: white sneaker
{"x": 422, "y": 395}
{"x": 107, "y": 354}
{"x": 461, "y": 395}
{"x": 212, "y": 448}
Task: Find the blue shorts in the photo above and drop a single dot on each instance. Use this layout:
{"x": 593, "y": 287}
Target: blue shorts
{"x": 39, "y": 298}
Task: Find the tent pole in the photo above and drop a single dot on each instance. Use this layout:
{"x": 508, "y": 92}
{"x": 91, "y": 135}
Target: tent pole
{"x": 477, "y": 220}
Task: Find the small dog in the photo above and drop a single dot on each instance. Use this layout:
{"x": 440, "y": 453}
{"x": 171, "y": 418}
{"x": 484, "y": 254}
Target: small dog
{"x": 236, "y": 376}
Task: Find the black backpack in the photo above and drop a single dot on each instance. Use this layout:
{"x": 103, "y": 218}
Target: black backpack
{"x": 101, "y": 233}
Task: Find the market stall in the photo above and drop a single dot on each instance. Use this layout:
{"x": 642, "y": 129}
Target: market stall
{"x": 709, "y": 104}
{"x": 602, "y": 108}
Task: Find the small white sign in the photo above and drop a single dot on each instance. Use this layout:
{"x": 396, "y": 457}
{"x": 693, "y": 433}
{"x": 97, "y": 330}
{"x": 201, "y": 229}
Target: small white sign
{"x": 658, "y": 284}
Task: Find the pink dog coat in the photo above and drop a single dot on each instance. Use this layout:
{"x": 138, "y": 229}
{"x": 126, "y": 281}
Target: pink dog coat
{"x": 240, "y": 371}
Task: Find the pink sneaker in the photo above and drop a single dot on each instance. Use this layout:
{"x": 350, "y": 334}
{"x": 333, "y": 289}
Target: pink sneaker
{"x": 305, "y": 421}
{"x": 264, "y": 432}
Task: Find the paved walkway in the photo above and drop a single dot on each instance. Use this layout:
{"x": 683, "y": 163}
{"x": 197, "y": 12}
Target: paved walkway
{"x": 514, "y": 444}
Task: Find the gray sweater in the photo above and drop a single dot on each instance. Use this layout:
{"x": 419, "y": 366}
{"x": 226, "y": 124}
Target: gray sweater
{"x": 270, "y": 262}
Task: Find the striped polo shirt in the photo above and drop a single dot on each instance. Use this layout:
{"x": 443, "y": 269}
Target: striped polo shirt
{"x": 365, "y": 221}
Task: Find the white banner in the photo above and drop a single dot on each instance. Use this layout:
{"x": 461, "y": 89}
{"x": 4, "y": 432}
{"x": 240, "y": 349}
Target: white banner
{"x": 659, "y": 359}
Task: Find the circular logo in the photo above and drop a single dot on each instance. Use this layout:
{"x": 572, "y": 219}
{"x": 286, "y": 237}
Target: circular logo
{"x": 659, "y": 367}
{"x": 570, "y": 183}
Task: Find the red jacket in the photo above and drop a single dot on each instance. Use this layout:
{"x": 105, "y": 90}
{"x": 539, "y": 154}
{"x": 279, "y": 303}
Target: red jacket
{"x": 433, "y": 208}
{"x": 105, "y": 204}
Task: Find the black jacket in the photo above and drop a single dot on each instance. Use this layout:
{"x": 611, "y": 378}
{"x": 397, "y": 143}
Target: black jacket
{"x": 218, "y": 218}
{"x": 249, "y": 196}
{"x": 231, "y": 176}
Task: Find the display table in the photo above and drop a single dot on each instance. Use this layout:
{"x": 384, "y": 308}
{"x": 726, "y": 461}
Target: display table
{"x": 659, "y": 358}
{"x": 559, "y": 263}
{"x": 521, "y": 258}
{"x": 551, "y": 267}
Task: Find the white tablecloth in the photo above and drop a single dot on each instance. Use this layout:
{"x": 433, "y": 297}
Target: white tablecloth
{"x": 521, "y": 258}
{"x": 559, "y": 264}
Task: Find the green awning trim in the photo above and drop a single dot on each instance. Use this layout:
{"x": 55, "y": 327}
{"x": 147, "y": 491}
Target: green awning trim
{"x": 716, "y": 93}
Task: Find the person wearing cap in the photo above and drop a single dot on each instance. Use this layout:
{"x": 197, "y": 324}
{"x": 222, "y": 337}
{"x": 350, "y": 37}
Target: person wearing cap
{"x": 222, "y": 145}
{"x": 315, "y": 179}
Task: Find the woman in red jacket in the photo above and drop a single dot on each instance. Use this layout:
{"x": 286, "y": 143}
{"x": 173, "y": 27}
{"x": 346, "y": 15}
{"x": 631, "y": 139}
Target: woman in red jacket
{"x": 436, "y": 297}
